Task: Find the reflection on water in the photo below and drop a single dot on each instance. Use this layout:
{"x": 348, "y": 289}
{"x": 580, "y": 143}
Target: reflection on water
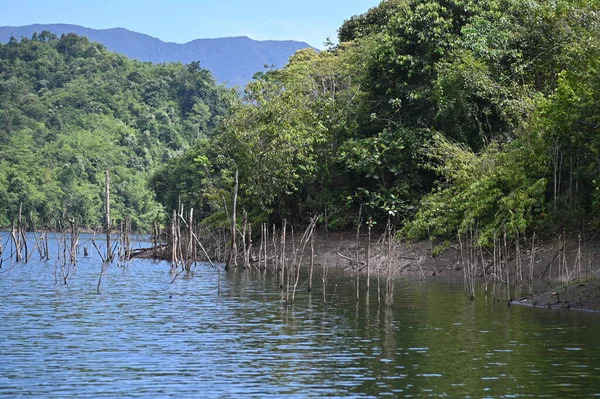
{"x": 144, "y": 337}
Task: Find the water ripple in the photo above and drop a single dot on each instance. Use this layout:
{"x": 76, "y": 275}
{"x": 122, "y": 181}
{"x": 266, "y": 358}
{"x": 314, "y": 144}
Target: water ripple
{"x": 142, "y": 336}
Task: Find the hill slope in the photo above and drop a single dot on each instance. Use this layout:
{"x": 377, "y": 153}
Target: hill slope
{"x": 232, "y": 60}
{"x": 70, "y": 110}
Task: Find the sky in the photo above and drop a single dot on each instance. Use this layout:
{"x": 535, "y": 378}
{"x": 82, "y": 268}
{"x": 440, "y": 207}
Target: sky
{"x": 180, "y": 21}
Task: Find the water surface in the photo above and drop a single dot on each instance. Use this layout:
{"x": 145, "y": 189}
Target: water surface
{"x": 143, "y": 336}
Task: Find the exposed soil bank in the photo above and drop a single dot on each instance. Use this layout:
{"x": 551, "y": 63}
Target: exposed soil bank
{"x": 569, "y": 265}
{"x": 579, "y": 295}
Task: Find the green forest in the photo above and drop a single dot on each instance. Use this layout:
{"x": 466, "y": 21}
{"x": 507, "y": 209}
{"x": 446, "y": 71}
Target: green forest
{"x": 439, "y": 115}
{"x": 69, "y": 110}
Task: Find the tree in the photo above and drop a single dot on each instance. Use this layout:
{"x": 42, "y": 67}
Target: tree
{"x": 70, "y": 109}
{"x": 272, "y": 138}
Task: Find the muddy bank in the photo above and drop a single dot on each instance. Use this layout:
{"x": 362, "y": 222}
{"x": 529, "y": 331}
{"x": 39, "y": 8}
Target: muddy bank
{"x": 550, "y": 259}
{"x": 583, "y": 295}
{"x": 569, "y": 265}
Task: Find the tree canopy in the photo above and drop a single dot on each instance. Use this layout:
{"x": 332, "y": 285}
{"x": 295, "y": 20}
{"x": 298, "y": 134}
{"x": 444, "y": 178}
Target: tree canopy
{"x": 70, "y": 110}
{"x": 441, "y": 114}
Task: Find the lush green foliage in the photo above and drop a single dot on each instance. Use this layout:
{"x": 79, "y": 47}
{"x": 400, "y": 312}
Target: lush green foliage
{"x": 70, "y": 110}
{"x": 518, "y": 89}
{"x": 498, "y": 190}
{"x": 445, "y": 115}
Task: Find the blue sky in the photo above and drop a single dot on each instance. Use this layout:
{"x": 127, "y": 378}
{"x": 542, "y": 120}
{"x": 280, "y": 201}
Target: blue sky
{"x": 180, "y": 21}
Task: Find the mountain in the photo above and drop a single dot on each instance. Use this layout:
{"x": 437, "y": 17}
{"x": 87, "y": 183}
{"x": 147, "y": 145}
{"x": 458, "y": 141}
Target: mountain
{"x": 232, "y": 60}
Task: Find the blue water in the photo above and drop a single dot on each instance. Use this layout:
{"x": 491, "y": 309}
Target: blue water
{"x": 205, "y": 335}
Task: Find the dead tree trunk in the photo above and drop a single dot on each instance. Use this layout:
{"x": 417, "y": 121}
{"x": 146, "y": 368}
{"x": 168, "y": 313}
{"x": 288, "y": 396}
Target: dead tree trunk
{"x": 369, "y": 255}
{"x": 282, "y": 255}
{"x": 46, "y": 247}
{"x": 174, "y": 241}
{"x": 189, "y": 252}
{"x": 232, "y": 258}
{"x": 246, "y": 261}
{"x": 312, "y": 262}
{"x": 357, "y": 261}
{"x": 109, "y": 255}
{"x": 306, "y": 238}
{"x": 74, "y": 242}
{"x": 16, "y": 242}
{"x": 154, "y": 239}
{"x": 389, "y": 292}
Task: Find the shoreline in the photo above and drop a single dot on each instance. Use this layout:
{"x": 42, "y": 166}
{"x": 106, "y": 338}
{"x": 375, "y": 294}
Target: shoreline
{"x": 567, "y": 264}
{"x": 580, "y": 296}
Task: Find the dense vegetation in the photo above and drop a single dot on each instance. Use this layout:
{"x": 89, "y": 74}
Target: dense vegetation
{"x": 445, "y": 115}
{"x": 69, "y": 110}
{"x": 442, "y": 115}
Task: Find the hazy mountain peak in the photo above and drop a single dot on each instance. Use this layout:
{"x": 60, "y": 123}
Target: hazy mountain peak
{"x": 232, "y": 60}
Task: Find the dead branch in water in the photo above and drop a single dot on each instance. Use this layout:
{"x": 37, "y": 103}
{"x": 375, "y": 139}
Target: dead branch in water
{"x": 306, "y": 237}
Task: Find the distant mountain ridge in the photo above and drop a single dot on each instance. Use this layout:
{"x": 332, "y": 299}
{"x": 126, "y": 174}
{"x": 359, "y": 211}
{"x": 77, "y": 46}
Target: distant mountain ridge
{"x": 232, "y": 60}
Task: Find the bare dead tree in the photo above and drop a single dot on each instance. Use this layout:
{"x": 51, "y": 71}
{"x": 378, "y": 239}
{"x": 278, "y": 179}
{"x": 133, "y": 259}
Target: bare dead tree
{"x": 368, "y": 254}
{"x": 174, "y": 241}
{"x": 107, "y": 221}
{"x": 282, "y": 255}
{"x": 232, "y": 258}
{"x": 357, "y": 261}
{"x": 74, "y": 242}
{"x": 245, "y": 253}
{"x": 312, "y": 262}
{"x": 306, "y": 238}
{"x": 389, "y": 292}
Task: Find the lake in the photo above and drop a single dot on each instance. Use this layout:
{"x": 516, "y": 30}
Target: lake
{"x": 145, "y": 335}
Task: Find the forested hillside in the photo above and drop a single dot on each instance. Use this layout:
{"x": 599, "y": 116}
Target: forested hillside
{"x": 447, "y": 116}
{"x": 70, "y": 109}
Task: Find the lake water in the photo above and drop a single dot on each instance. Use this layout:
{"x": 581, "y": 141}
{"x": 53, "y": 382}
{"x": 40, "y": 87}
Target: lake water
{"x": 146, "y": 336}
